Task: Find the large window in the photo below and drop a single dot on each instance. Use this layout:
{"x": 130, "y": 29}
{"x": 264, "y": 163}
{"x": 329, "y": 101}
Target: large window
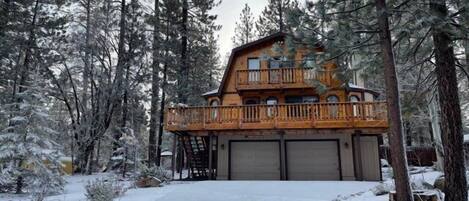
{"x": 254, "y": 64}
{"x": 302, "y": 111}
{"x": 301, "y": 99}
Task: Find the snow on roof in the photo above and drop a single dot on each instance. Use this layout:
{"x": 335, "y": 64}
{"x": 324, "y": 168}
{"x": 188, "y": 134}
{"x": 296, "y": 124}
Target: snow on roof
{"x": 210, "y": 92}
{"x": 351, "y": 85}
{"x": 166, "y": 153}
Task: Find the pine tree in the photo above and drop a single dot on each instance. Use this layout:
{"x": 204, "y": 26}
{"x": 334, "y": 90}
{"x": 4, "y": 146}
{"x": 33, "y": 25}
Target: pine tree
{"x": 351, "y": 40}
{"x": 274, "y": 16}
{"x": 451, "y": 122}
{"x": 27, "y": 146}
{"x": 244, "y": 28}
{"x": 193, "y": 32}
{"x": 398, "y": 152}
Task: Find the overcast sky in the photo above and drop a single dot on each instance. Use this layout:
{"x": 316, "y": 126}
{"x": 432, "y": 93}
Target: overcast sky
{"x": 228, "y": 12}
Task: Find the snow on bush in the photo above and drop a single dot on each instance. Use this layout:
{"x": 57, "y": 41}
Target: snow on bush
{"x": 104, "y": 190}
{"x": 382, "y": 188}
{"x": 157, "y": 172}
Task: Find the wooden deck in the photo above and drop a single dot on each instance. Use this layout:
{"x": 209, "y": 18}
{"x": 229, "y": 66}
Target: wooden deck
{"x": 282, "y": 78}
{"x": 284, "y": 116}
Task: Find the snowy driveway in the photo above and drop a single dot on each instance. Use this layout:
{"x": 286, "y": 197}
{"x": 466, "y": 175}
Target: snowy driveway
{"x": 226, "y": 191}
{"x": 256, "y": 191}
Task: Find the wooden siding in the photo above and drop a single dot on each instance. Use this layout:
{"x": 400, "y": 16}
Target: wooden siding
{"x": 282, "y": 116}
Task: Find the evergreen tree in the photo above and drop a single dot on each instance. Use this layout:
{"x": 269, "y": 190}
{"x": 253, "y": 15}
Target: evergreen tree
{"x": 244, "y": 28}
{"x": 27, "y": 150}
{"x": 274, "y": 17}
{"x": 451, "y": 122}
{"x": 193, "y": 32}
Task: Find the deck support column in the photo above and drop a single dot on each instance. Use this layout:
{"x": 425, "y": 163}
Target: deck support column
{"x": 359, "y": 155}
{"x": 283, "y": 162}
{"x": 173, "y": 156}
{"x": 210, "y": 156}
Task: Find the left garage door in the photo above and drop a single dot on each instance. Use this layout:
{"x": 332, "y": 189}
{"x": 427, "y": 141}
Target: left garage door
{"x": 255, "y": 160}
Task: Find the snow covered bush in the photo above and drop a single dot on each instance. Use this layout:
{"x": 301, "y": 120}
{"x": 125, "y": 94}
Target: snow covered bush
{"x": 382, "y": 189}
{"x": 29, "y": 156}
{"x": 157, "y": 172}
{"x": 104, "y": 190}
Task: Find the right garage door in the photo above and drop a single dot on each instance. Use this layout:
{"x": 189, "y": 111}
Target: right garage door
{"x": 312, "y": 160}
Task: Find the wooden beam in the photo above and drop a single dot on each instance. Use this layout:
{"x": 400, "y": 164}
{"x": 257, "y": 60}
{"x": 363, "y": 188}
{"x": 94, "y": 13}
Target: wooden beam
{"x": 173, "y": 156}
{"x": 210, "y": 157}
{"x": 283, "y": 161}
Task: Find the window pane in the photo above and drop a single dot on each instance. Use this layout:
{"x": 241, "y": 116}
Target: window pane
{"x": 310, "y": 99}
{"x": 293, "y": 99}
{"x": 274, "y": 63}
{"x": 271, "y": 101}
{"x": 332, "y": 99}
{"x": 254, "y": 64}
{"x": 214, "y": 103}
{"x": 354, "y": 99}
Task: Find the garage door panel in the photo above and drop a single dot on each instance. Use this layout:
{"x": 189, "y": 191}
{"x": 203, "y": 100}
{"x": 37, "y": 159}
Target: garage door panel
{"x": 255, "y": 160}
{"x": 312, "y": 160}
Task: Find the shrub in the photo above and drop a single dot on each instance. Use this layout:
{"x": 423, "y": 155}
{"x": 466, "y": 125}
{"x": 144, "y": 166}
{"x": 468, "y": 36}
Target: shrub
{"x": 103, "y": 190}
{"x": 156, "y": 172}
{"x": 382, "y": 189}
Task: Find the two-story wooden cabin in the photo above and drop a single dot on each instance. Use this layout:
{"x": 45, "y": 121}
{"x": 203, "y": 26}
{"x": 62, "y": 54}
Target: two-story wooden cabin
{"x": 267, "y": 121}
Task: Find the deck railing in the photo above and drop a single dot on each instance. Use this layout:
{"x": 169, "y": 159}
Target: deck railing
{"x": 314, "y": 115}
{"x": 282, "y": 77}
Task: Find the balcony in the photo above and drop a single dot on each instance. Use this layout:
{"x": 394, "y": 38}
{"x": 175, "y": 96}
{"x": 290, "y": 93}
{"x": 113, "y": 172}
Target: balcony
{"x": 284, "y": 116}
{"x": 282, "y": 78}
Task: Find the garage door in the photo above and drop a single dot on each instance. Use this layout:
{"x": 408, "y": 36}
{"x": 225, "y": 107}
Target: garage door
{"x": 312, "y": 160}
{"x": 255, "y": 160}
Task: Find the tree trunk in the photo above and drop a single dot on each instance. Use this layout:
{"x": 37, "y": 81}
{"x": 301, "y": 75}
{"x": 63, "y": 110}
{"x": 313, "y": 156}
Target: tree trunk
{"x": 161, "y": 123}
{"x": 451, "y": 122}
{"x": 87, "y": 60}
{"x": 183, "y": 80}
{"x": 398, "y": 153}
{"x": 154, "y": 89}
{"x": 436, "y": 131}
{"x": 116, "y": 94}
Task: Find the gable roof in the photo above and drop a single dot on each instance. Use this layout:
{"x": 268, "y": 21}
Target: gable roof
{"x": 234, "y": 51}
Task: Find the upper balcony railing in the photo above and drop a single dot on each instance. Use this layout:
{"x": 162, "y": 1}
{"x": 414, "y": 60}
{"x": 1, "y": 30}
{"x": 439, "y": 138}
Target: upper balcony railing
{"x": 282, "y": 78}
{"x": 284, "y": 116}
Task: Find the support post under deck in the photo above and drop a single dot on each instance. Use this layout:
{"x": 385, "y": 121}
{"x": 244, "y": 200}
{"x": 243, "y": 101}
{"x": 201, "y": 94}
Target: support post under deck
{"x": 210, "y": 157}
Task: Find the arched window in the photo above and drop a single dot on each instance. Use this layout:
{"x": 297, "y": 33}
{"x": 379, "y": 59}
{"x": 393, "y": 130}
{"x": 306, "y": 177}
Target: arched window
{"x": 214, "y": 109}
{"x": 355, "y": 107}
{"x": 354, "y": 99}
{"x": 271, "y": 109}
{"x": 333, "y": 108}
{"x": 332, "y": 99}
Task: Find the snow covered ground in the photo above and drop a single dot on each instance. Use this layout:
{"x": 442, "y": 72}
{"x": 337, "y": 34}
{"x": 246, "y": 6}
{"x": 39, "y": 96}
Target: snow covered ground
{"x": 239, "y": 190}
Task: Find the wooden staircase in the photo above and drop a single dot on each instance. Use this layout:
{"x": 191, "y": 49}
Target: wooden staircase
{"x": 196, "y": 149}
